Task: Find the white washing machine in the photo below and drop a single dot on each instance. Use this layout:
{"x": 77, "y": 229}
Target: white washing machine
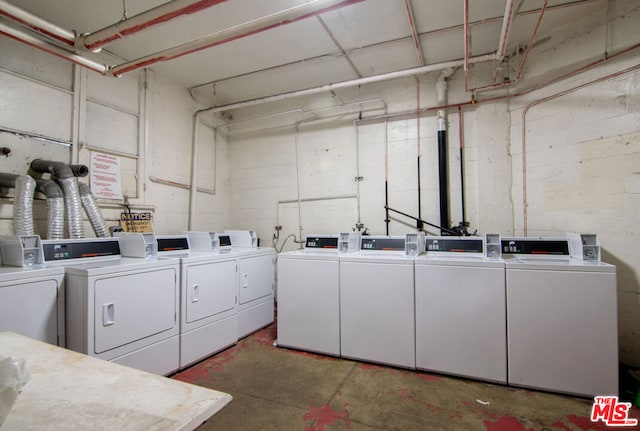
{"x": 562, "y": 324}
{"x": 208, "y": 294}
{"x": 256, "y": 268}
{"x": 31, "y": 294}
{"x": 461, "y": 309}
{"x": 309, "y": 293}
{"x": 377, "y": 319}
{"x": 124, "y": 310}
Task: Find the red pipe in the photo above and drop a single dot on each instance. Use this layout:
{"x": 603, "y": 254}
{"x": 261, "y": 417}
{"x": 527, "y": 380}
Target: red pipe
{"x": 158, "y": 15}
{"x": 217, "y": 39}
{"x": 466, "y": 45}
{"x": 414, "y": 32}
{"x": 533, "y": 37}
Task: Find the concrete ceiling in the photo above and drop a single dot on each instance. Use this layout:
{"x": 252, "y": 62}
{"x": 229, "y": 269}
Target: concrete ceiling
{"x": 360, "y": 39}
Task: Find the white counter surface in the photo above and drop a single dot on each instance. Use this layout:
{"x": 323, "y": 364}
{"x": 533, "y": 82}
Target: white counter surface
{"x": 71, "y": 391}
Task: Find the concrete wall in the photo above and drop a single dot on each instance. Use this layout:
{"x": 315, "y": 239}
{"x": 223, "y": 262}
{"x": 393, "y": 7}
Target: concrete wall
{"x": 145, "y": 120}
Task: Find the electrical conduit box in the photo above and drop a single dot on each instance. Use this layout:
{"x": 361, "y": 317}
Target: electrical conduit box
{"x": 21, "y": 250}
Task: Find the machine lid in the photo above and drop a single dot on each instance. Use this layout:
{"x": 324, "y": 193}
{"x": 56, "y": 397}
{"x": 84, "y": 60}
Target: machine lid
{"x": 62, "y": 250}
{"x": 455, "y": 245}
{"x": 551, "y": 247}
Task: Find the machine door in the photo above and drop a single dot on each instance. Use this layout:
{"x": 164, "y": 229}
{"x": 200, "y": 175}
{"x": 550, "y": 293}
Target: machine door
{"x": 31, "y": 309}
{"x": 131, "y": 307}
{"x": 210, "y": 289}
{"x": 460, "y": 321}
{"x": 256, "y": 277}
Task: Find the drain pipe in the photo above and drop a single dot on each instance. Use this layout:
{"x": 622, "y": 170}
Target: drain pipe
{"x": 69, "y": 184}
{"x": 443, "y": 177}
{"x": 25, "y": 188}
{"x": 94, "y": 214}
{"x": 55, "y": 207}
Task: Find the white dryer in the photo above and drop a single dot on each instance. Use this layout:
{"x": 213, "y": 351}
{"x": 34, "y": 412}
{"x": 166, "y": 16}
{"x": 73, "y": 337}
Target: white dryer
{"x": 208, "y": 292}
{"x": 461, "y": 309}
{"x": 123, "y": 310}
{"x": 31, "y": 294}
{"x": 562, "y": 320}
{"x": 377, "y": 319}
{"x": 309, "y": 293}
{"x": 256, "y": 277}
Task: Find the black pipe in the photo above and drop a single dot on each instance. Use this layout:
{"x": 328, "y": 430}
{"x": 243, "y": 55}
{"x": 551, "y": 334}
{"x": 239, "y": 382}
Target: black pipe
{"x": 445, "y": 230}
{"x": 419, "y": 224}
{"x": 386, "y": 204}
{"x": 8, "y": 181}
{"x": 59, "y": 169}
{"x": 443, "y": 178}
{"x": 49, "y": 188}
{"x": 464, "y": 218}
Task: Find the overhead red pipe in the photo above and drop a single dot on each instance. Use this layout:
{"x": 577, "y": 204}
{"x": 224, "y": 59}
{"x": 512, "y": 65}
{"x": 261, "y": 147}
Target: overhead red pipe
{"x": 533, "y": 38}
{"x": 285, "y": 17}
{"x": 414, "y": 32}
{"x": 144, "y": 20}
{"x": 36, "y": 23}
{"x": 466, "y": 45}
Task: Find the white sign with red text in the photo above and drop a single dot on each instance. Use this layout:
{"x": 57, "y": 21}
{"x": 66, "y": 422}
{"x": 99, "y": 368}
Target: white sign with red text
{"x": 105, "y": 177}
{"x": 612, "y": 412}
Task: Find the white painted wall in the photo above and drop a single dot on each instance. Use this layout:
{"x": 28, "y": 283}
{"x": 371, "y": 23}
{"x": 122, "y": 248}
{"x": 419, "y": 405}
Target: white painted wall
{"x": 146, "y": 119}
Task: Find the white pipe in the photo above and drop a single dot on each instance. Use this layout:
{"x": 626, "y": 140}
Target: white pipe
{"x": 194, "y": 171}
{"x": 158, "y": 15}
{"x": 352, "y": 83}
{"x": 506, "y": 27}
{"x": 30, "y": 40}
{"x": 287, "y": 16}
{"x": 36, "y": 23}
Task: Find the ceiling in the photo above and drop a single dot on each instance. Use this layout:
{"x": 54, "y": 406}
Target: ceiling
{"x": 354, "y": 40}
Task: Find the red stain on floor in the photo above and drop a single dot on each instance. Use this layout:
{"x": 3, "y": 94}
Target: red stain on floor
{"x": 405, "y": 394}
{"x": 193, "y": 374}
{"x": 429, "y": 377}
{"x": 506, "y": 423}
{"x": 371, "y": 367}
{"x": 562, "y": 425}
{"x": 323, "y": 416}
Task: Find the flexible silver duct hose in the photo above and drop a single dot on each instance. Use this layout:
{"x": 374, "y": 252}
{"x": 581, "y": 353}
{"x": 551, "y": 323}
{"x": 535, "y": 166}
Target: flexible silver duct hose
{"x": 73, "y": 206}
{"x": 55, "y": 208}
{"x": 23, "y": 205}
{"x": 93, "y": 211}
{"x": 69, "y": 184}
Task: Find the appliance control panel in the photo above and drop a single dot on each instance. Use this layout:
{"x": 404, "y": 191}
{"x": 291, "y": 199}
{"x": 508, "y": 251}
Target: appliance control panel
{"x": 455, "y": 245}
{"x": 58, "y": 250}
{"x": 382, "y": 244}
{"x": 173, "y": 243}
{"x": 322, "y": 242}
{"x": 538, "y": 246}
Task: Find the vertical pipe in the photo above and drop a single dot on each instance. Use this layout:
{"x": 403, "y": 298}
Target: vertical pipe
{"x": 461, "y": 139}
{"x": 442, "y": 172}
{"x": 419, "y": 224}
{"x": 386, "y": 205}
{"x": 386, "y": 172}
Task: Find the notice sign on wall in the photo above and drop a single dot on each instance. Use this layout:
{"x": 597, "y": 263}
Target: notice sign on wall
{"x": 136, "y": 222}
{"x": 105, "y": 177}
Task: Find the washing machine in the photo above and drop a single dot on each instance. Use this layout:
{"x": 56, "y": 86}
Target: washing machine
{"x": 562, "y": 324}
{"x": 461, "y": 308}
{"x": 208, "y": 294}
{"x": 121, "y": 309}
{"x": 31, "y": 294}
{"x": 377, "y": 318}
{"x": 256, "y": 277}
{"x": 309, "y": 293}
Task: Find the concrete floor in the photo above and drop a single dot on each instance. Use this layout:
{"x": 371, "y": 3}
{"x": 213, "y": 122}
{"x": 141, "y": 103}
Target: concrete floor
{"x": 279, "y": 389}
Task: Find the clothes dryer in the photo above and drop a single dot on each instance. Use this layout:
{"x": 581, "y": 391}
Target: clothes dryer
{"x": 562, "y": 320}
{"x": 31, "y": 294}
{"x": 461, "y": 309}
{"x": 208, "y": 292}
{"x": 256, "y": 277}
{"x": 123, "y": 310}
{"x": 377, "y": 318}
{"x": 309, "y": 293}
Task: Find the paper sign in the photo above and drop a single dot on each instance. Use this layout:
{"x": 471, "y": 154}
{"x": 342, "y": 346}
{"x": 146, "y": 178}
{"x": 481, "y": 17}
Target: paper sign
{"x": 105, "y": 178}
{"x": 136, "y": 222}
